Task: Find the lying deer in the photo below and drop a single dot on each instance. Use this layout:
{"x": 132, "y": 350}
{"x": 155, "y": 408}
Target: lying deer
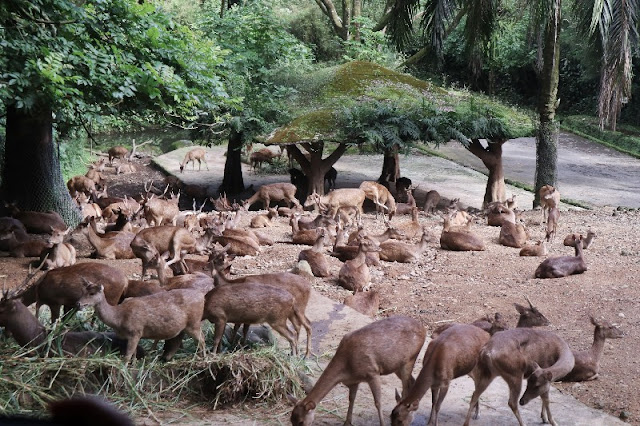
{"x": 365, "y": 302}
{"x": 354, "y": 274}
{"x": 453, "y": 354}
{"x": 399, "y": 251}
{"x": 316, "y": 257}
{"x": 587, "y": 365}
{"x": 60, "y": 253}
{"x": 37, "y": 222}
{"x": 363, "y": 356}
{"x": 113, "y": 245}
{"x": 459, "y": 241}
{"x": 193, "y": 155}
{"x": 160, "y": 316}
{"x": 538, "y": 249}
{"x": 570, "y": 239}
{"x": 542, "y": 356}
{"x": 562, "y": 266}
{"x": 405, "y": 208}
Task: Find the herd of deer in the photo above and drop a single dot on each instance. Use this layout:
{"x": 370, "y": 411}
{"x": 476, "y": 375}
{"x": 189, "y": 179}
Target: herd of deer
{"x": 187, "y": 291}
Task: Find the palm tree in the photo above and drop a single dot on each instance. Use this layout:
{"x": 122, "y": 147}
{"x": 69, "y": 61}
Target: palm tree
{"x": 616, "y": 22}
{"x": 480, "y": 27}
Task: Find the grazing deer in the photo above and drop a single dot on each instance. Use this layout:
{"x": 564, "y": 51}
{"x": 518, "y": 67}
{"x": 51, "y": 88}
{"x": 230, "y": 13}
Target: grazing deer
{"x": 195, "y": 154}
{"x": 514, "y": 354}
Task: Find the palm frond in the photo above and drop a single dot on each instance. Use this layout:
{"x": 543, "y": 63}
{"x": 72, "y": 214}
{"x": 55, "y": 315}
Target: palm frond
{"x": 400, "y": 25}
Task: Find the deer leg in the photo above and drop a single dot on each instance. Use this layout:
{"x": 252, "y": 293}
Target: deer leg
{"x": 234, "y": 335}
{"x": 132, "y": 345}
{"x": 481, "y": 385}
{"x": 374, "y": 384}
{"x": 546, "y": 410}
{"x": 171, "y": 346}
{"x": 515, "y": 386}
{"x": 307, "y": 326}
{"x": 353, "y": 390}
{"x": 245, "y": 333}
{"x": 281, "y": 327}
{"x": 217, "y": 335}
{"x": 195, "y": 331}
{"x": 435, "y": 408}
{"x": 404, "y": 373}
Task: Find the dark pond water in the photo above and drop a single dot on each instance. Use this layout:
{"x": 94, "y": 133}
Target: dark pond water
{"x": 162, "y": 140}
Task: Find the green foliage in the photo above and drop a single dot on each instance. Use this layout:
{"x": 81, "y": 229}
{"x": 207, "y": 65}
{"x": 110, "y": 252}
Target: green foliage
{"x": 106, "y": 57}
{"x": 311, "y": 27}
{"x": 370, "y": 46}
{"x": 626, "y": 139}
{"x": 73, "y": 158}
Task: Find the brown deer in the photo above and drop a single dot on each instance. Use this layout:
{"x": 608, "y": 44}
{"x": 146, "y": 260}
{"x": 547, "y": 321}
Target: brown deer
{"x": 193, "y": 155}
{"x": 405, "y": 208}
{"x": 513, "y": 234}
{"x": 177, "y": 241}
{"x": 37, "y": 222}
{"x": 542, "y": 356}
{"x": 570, "y": 239}
{"x": 381, "y": 197}
{"x": 431, "y": 202}
{"x": 411, "y": 229}
{"x": 125, "y": 168}
{"x": 562, "y": 266}
{"x": 315, "y": 255}
{"x": 549, "y": 198}
{"x": 114, "y": 245}
{"x": 338, "y": 199}
{"x": 365, "y": 302}
{"x": 587, "y": 365}
{"x": 354, "y": 274}
{"x": 459, "y": 241}
{"x": 64, "y": 286}
{"x": 81, "y": 184}
{"x": 160, "y": 316}
{"x": 453, "y": 354}
{"x": 282, "y": 191}
{"x": 399, "y": 251}
{"x": 552, "y": 223}
{"x": 117, "y": 152}
{"x": 27, "y": 246}
{"x": 364, "y": 355}
{"x": 60, "y": 253}
{"x": 244, "y": 303}
{"x": 264, "y": 220}
{"x": 264, "y": 155}
{"x": 538, "y": 249}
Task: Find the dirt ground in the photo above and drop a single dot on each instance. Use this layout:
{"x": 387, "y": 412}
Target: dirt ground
{"x": 463, "y": 286}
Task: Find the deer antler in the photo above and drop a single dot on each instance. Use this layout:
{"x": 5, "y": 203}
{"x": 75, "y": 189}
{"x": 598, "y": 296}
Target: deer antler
{"x": 527, "y": 299}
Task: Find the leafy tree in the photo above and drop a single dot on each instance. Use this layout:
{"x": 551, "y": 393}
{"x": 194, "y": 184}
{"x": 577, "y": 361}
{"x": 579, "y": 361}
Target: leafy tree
{"x": 260, "y": 49}
{"x": 63, "y": 62}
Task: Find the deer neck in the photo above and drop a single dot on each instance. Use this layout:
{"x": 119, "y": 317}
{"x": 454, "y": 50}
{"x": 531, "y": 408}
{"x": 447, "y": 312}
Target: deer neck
{"x": 109, "y": 315}
{"x": 95, "y": 239}
{"x": 25, "y": 327}
{"x": 332, "y": 375}
{"x": 587, "y": 241}
{"x": 319, "y": 244}
{"x": 294, "y": 225}
{"x": 597, "y": 348}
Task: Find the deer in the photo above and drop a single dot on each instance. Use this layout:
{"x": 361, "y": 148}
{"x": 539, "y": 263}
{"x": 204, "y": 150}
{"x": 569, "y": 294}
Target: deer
{"x": 381, "y": 197}
{"x": 60, "y": 253}
{"x": 538, "y": 249}
{"x": 158, "y": 211}
{"x": 315, "y": 255}
{"x": 365, "y": 302}
{"x": 81, "y": 184}
{"x": 127, "y": 206}
{"x": 459, "y": 241}
{"x": 513, "y": 234}
{"x": 64, "y": 286}
{"x": 402, "y": 184}
{"x": 411, "y": 229}
{"x": 114, "y": 245}
{"x": 282, "y": 191}
{"x": 497, "y": 214}
{"x": 297, "y": 286}
{"x": 172, "y": 239}
{"x": 539, "y": 355}
{"x": 354, "y": 274}
{"x": 562, "y": 266}
{"x": 364, "y": 355}
{"x": 244, "y": 302}
{"x": 406, "y": 208}
{"x": 125, "y": 168}
{"x": 454, "y": 353}
{"x": 549, "y": 198}
{"x": 264, "y": 220}
{"x": 160, "y": 316}
{"x": 37, "y": 222}
{"x": 27, "y": 246}
{"x": 89, "y": 209}
{"x": 389, "y": 233}
{"x": 337, "y": 199}
{"x": 528, "y": 317}
{"x": 117, "y": 152}
{"x": 193, "y": 155}
{"x": 431, "y": 202}
{"x": 511, "y": 203}
{"x": 552, "y": 223}
{"x": 95, "y": 172}
{"x": 264, "y": 155}
{"x": 570, "y": 239}
{"x": 587, "y": 362}
{"x": 399, "y": 251}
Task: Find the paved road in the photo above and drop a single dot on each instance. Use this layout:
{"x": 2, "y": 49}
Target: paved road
{"x": 587, "y": 171}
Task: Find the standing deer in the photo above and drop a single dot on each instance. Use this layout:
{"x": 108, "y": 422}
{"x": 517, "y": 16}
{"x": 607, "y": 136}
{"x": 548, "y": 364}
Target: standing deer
{"x": 196, "y": 154}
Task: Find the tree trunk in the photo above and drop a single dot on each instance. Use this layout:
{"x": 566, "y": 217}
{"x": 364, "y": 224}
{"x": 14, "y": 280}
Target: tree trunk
{"x": 232, "y": 182}
{"x": 31, "y": 169}
{"x": 547, "y": 135}
{"x": 390, "y": 165}
{"x": 315, "y": 166}
{"x": 491, "y": 157}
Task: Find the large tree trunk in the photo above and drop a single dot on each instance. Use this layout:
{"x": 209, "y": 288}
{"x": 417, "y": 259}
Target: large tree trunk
{"x": 232, "y": 182}
{"x": 315, "y": 166}
{"x": 547, "y": 135}
{"x": 390, "y": 166}
{"x": 31, "y": 174}
{"x": 491, "y": 157}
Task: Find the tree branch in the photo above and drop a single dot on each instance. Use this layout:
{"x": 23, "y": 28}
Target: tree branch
{"x": 335, "y": 155}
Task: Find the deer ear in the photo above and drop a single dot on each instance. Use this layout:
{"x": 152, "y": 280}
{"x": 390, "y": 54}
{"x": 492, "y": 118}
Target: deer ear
{"x": 398, "y": 397}
{"x": 521, "y": 309}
